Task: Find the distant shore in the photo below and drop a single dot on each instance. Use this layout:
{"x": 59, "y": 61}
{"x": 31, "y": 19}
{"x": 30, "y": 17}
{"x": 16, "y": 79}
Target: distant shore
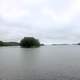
{"x": 30, "y": 42}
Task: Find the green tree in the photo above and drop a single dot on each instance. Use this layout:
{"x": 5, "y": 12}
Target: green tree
{"x": 1, "y": 43}
{"x": 29, "y": 42}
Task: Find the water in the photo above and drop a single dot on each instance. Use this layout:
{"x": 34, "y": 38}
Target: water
{"x": 44, "y": 63}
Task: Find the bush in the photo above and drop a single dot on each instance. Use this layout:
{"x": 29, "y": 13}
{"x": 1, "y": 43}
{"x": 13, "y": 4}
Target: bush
{"x": 29, "y": 42}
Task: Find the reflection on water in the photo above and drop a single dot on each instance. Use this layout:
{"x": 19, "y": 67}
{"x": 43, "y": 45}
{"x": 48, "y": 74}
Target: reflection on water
{"x": 44, "y": 63}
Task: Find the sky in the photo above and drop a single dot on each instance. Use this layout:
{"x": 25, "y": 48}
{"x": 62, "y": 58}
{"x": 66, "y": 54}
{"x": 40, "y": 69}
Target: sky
{"x": 50, "y": 21}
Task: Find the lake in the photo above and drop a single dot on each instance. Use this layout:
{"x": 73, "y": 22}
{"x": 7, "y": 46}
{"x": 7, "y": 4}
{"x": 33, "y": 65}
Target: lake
{"x": 44, "y": 63}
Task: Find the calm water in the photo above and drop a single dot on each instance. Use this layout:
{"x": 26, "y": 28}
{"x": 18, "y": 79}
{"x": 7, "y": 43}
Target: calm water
{"x": 44, "y": 63}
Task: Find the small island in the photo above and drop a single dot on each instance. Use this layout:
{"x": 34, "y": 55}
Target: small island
{"x": 29, "y": 42}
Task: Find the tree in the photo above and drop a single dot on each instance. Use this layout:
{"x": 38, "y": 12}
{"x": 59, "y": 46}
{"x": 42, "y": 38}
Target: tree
{"x": 29, "y": 42}
{"x": 1, "y": 43}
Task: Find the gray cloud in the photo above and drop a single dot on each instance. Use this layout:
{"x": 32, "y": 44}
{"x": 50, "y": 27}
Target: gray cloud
{"x": 52, "y": 21}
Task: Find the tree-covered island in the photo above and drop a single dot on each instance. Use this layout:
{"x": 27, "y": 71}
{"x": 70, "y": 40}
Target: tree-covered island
{"x": 29, "y": 42}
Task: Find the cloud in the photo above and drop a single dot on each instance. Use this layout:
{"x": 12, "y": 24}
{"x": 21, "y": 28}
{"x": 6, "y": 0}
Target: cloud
{"x": 48, "y": 20}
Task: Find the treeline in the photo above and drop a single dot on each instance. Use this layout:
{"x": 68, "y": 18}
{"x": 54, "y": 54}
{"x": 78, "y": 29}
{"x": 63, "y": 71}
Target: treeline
{"x": 9, "y": 43}
{"x": 26, "y": 42}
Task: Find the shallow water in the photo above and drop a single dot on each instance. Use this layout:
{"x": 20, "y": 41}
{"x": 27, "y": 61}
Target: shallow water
{"x": 44, "y": 63}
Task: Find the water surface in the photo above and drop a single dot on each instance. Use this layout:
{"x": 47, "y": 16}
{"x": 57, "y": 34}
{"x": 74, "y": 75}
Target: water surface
{"x": 44, "y": 63}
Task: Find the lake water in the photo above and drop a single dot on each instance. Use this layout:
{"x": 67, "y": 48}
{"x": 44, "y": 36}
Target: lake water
{"x": 44, "y": 63}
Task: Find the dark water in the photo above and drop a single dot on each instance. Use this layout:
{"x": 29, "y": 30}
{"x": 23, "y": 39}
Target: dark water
{"x": 44, "y": 63}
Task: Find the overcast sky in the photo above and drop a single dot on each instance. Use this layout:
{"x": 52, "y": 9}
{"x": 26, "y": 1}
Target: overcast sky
{"x": 51, "y": 21}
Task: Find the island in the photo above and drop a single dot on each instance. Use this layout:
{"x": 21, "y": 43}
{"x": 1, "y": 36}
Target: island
{"x": 29, "y": 42}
